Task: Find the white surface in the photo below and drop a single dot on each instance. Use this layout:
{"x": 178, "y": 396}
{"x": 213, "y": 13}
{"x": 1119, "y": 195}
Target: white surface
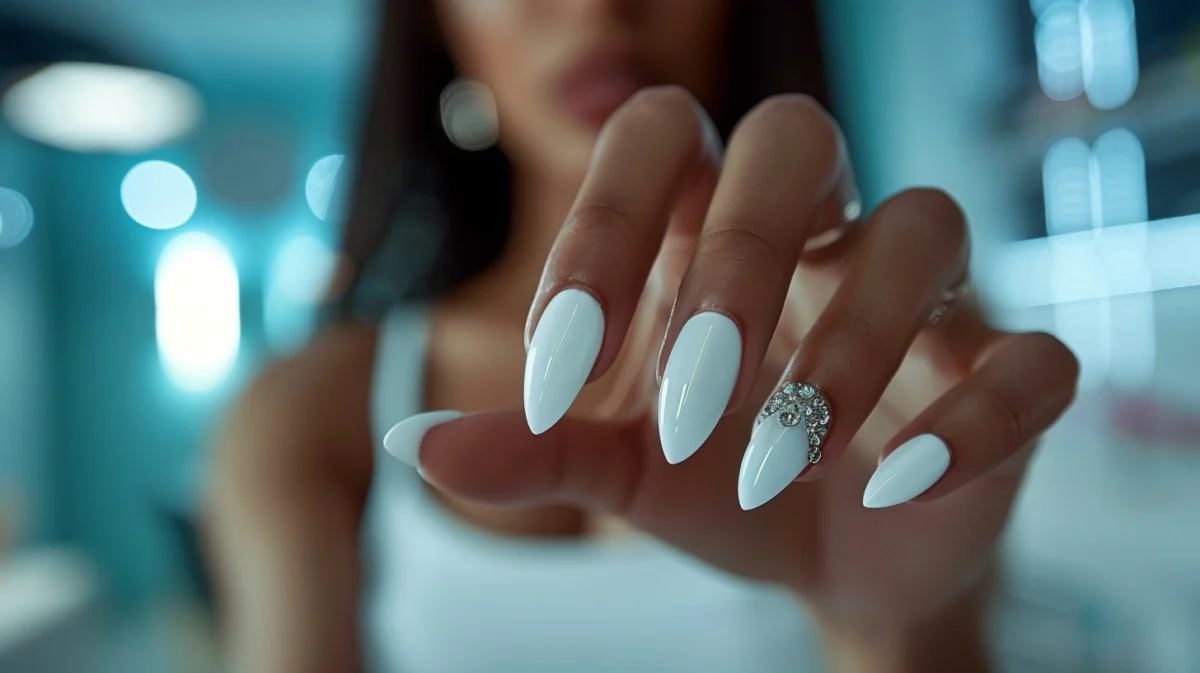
{"x": 561, "y": 355}
{"x": 907, "y": 472}
{"x": 697, "y": 382}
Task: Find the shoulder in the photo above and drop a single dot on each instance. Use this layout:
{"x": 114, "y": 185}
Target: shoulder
{"x": 309, "y": 412}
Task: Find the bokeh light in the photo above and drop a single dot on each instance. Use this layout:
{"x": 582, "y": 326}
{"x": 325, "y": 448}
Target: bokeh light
{"x": 1110, "y": 52}
{"x": 197, "y": 311}
{"x": 1120, "y": 165}
{"x": 1092, "y": 192}
{"x": 1119, "y": 184}
{"x": 323, "y": 189}
{"x": 158, "y": 195}
{"x": 94, "y": 107}
{"x": 299, "y": 278}
{"x": 1058, "y": 42}
{"x": 303, "y": 269}
{"x": 16, "y": 217}
{"x": 469, "y": 115}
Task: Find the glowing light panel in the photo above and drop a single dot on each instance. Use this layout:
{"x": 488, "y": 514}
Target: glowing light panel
{"x": 93, "y": 107}
{"x": 197, "y": 312}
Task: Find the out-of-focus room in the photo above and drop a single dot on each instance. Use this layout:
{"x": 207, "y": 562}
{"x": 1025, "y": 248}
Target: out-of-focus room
{"x": 171, "y": 193}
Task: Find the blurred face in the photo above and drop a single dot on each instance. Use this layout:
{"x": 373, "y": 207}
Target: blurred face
{"x": 559, "y": 68}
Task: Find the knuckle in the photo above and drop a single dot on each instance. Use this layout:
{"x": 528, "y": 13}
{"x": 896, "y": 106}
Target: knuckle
{"x": 601, "y": 220}
{"x": 741, "y": 244}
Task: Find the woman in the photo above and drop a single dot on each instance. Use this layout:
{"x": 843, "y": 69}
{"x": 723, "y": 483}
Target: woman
{"x": 689, "y": 281}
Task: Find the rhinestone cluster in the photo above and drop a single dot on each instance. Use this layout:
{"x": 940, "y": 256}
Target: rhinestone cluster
{"x": 796, "y": 402}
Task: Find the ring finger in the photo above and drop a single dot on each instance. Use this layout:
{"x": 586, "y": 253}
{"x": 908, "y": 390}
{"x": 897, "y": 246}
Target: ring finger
{"x": 911, "y": 250}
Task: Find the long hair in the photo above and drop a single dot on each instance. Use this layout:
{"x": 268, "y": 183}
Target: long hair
{"x": 426, "y": 215}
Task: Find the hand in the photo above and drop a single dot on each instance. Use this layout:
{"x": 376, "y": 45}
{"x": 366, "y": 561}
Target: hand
{"x": 959, "y": 403}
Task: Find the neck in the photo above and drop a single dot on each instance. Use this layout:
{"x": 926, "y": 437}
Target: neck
{"x": 540, "y": 204}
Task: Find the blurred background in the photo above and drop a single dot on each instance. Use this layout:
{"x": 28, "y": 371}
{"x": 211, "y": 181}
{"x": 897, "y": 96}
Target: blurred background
{"x": 170, "y": 194}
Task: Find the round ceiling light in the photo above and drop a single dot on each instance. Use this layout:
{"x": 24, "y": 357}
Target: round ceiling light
{"x": 93, "y": 107}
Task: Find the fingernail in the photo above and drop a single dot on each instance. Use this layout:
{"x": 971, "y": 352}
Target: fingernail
{"x": 712, "y": 145}
{"x": 561, "y": 355}
{"x": 907, "y": 472}
{"x": 697, "y": 383}
{"x": 404, "y": 439}
{"x": 777, "y": 454}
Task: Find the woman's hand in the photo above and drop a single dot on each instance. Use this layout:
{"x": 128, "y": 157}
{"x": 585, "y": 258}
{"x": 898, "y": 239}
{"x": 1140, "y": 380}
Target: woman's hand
{"x": 664, "y": 223}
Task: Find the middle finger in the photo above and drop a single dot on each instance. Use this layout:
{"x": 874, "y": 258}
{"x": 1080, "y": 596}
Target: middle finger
{"x": 785, "y": 160}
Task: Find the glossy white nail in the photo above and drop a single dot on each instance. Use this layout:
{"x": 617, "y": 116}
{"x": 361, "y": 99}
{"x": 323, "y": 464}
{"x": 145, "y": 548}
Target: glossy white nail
{"x": 907, "y": 472}
{"x": 697, "y": 383}
{"x": 404, "y": 439}
{"x": 775, "y": 457}
{"x": 561, "y": 356}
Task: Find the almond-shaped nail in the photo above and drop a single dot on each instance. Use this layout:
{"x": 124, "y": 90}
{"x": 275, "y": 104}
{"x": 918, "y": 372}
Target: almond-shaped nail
{"x": 404, "y": 439}
{"x": 777, "y": 454}
{"x": 697, "y": 383}
{"x": 561, "y": 355}
{"x": 907, "y": 472}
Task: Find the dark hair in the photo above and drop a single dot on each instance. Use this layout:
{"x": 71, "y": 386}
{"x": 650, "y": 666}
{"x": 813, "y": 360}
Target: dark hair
{"x": 425, "y": 215}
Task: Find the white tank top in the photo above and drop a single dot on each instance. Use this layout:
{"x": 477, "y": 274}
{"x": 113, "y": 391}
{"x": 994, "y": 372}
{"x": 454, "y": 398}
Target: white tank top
{"x": 444, "y": 597}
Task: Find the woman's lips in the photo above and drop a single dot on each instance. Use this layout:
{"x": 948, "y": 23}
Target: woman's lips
{"x": 596, "y": 87}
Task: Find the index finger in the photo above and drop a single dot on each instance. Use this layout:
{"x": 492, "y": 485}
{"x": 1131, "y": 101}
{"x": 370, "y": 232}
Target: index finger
{"x": 658, "y": 151}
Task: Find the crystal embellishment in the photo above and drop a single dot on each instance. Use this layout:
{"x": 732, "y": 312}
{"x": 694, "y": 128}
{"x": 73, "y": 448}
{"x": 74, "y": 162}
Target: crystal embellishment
{"x": 796, "y": 402}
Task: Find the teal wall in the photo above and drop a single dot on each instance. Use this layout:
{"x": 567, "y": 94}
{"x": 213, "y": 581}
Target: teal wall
{"x": 128, "y": 443}
{"x": 25, "y": 457}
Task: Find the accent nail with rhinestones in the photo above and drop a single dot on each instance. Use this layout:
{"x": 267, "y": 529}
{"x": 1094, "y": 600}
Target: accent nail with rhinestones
{"x": 796, "y": 402}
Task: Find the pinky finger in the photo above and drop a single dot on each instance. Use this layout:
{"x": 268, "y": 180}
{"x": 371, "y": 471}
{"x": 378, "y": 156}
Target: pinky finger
{"x": 1021, "y": 386}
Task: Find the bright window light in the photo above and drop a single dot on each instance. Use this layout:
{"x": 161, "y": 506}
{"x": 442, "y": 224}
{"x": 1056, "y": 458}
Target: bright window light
{"x": 1110, "y": 52}
{"x": 1067, "y": 183}
{"x": 1119, "y": 200}
{"x": 1119, "y": 167}
{"x": 323, "y": 186}
{"x": 298, "y": 280}
{"x": 1058, "y": 42}
{"x": 92, "y": 107}
{"x": 16, "y": 218}
{"x": 197, "y": 314}
{"x": 1102, "y": 262}
{"x": 158, "y": 195}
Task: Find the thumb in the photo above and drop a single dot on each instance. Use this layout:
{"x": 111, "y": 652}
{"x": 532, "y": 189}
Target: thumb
{"x": 492, "y": 458}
